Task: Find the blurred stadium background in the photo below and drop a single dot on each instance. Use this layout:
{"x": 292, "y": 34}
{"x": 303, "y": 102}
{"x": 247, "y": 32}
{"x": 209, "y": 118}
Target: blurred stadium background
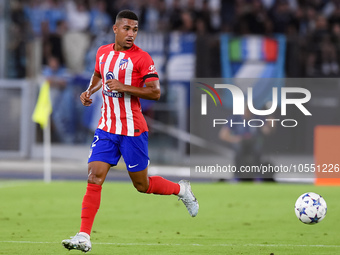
{"x": 186, "y": 39}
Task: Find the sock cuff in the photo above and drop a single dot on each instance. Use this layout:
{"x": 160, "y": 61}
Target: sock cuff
{"x": 150, "y": 186}
{"x": 181, "y": 190}
{"x": 94, "y": 187}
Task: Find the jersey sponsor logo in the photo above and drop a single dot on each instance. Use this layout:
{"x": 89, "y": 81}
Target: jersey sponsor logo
{"x": 152, "y": 69}
{"x": 123, "y": 64}
{"x": 113, "y": 94}
{"x": 110, "y": 76}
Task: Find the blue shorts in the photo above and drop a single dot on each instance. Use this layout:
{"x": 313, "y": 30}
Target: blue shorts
{"x": 107, "y": 147}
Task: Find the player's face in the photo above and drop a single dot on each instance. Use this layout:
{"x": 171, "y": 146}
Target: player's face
{"x": 126, "y": 32}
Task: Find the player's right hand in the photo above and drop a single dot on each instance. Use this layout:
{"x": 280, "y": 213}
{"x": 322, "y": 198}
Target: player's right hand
{"x": 85, "y": 98}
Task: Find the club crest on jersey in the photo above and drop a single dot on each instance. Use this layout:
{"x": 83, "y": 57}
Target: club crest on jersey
{"x": 123, "y": 64}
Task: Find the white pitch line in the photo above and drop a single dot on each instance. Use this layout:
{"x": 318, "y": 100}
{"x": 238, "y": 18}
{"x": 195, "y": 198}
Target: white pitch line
{"x": 29, "y": 242}
{"x": 172, "y": 244}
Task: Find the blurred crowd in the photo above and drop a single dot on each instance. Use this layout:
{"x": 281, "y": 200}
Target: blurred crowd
{"x": 316, "y": 22}
{"x": 69, "y": 32}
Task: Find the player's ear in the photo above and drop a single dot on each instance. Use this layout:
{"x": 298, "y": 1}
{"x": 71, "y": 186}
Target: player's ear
{"x": 114, "y": 28}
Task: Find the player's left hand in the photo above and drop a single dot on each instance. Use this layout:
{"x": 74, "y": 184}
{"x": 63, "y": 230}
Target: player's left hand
{"x": 115, "y": 85}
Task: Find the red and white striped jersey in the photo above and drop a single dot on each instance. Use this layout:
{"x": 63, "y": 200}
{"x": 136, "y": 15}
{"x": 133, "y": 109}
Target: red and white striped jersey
{"x": 121, "y": 112}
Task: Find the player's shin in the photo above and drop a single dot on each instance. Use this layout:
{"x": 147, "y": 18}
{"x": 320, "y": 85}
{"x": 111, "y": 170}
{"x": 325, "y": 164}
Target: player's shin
{"x": 159, "y": 185}
{"x": 90, "y": 206}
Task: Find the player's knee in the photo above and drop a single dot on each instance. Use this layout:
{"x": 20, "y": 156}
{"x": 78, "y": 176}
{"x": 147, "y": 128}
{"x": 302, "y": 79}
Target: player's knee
{"x": 95, "y": 179}
{"x": 141, "y": 187}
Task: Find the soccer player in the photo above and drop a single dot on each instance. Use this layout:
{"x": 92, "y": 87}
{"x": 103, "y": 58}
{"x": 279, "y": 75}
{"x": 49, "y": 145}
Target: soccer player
{"x": 122, "y": 69}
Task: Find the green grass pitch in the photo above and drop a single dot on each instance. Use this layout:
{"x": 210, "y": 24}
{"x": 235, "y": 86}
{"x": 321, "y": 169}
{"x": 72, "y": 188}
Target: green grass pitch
{"x": 244, "y": 218}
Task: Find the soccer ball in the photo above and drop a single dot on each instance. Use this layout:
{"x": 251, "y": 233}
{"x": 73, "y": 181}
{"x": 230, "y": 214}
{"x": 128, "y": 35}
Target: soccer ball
{"x": 310, "y": 208}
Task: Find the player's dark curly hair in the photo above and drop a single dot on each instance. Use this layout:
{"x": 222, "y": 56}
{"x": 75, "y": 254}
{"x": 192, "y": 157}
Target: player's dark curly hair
{"x": 126, "y": 14}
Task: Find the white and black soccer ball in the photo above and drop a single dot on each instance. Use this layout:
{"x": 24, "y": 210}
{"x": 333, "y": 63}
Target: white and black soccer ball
{"x": 310, "y": 208}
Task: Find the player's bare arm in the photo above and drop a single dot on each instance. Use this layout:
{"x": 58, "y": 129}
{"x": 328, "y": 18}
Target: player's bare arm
{"x": 151, "y": 91}
{"x": 95, "y": 85}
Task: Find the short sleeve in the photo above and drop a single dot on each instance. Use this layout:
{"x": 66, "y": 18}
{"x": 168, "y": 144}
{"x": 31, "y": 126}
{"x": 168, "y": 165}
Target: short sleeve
{"x": 147, "y": 69}
{"x": 96, "y": 67}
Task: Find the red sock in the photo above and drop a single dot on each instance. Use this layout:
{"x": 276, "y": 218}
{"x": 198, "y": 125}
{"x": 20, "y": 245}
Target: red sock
{"x": 90, "y": 206}
{"x": 161, "y": 186}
